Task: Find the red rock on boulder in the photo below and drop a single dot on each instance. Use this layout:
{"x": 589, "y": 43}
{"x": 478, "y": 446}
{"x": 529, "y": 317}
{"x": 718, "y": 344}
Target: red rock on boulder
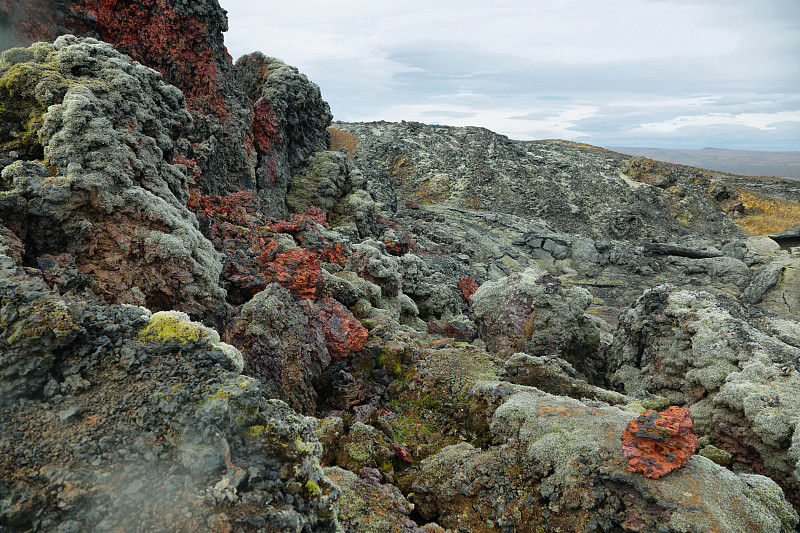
{"x": 657, "y": 443}
{"x": 468, "y": 287}
{"x": 297, "y": 270}
{"x": 343, "y": 333}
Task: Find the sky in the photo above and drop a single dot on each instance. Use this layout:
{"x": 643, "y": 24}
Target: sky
{"x": 648, "y": 73}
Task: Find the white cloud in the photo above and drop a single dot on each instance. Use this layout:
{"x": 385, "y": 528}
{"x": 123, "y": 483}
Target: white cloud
{"x": 578, "y": 69}
{"x": 762, "y": 121}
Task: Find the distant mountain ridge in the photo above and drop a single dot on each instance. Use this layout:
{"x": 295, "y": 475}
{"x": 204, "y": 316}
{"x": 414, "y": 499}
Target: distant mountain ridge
{"x": 742, "y": 162}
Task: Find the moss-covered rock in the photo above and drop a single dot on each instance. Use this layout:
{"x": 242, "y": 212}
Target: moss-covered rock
{"x": 86, "y": 144}
{"x": 165, "y": 326}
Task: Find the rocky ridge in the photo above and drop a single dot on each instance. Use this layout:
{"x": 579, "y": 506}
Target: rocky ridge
{"x": 419, "y": 332}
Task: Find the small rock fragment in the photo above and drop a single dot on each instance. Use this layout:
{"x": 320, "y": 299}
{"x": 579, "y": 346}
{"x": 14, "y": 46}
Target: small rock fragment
{"x": 657, "y": 443}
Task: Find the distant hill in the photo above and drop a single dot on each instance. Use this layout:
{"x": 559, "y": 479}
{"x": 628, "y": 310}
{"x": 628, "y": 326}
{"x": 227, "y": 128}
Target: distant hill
{"x": 742, "y": 162}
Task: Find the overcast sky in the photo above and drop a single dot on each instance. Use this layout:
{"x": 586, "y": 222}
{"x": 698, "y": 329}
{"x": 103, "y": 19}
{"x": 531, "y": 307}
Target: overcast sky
{"x": 668, "y": 74}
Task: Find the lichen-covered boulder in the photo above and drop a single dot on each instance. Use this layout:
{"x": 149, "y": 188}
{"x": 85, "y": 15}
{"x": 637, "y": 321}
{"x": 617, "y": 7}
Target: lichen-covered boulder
{"x": 532, "y": 312}
{"x": 289, "y": 124}
{"x": 176, "y": 326}
{"x": 91, "y": 135}
{"x": 734, "y": 367}
{"x": 368, "y": 505}
{"x": 405, "y": 279}
{"x": 280, "y": 348}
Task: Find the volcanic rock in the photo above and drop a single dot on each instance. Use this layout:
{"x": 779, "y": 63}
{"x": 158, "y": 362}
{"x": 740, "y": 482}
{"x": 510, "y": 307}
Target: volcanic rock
{"x": 658, "y": 443}
{"x": 532, "y": 312}
{"x": 107, "y": 192}
{"x": 735, "y": 369}
{"x": 280, "y": 347}
{"x": 114, "y": 418}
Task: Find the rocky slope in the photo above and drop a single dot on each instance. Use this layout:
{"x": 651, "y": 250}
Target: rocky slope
{"x": 436, "y": 329}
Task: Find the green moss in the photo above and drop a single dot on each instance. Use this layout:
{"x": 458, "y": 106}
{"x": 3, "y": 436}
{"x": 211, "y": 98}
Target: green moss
{"x": 303, "y": 446}
{"x": 253, "y": 431}
{"x": 719, "y": 456}
{"x": 351, "y": 505}
{"x": 27, "y": 89}
{"x": 46, "y": 318}
{"x": 313, "y": 489}
{"x": 358, "y": 452}
{"x": 175, "y": 326}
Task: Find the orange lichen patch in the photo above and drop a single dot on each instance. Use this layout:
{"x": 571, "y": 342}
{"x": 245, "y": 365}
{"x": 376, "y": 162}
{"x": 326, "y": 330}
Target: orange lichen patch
{"x": 343, "y": 333}
{"x": 657, "y": 443}
{"x": 341, "y": 139}
{"x": 765, "y": 214}
{"x": 433, "y": 190}
{"x": 468, "y": 287}
{"x": 529, "y": 325}
{"x": 402, "y": 168}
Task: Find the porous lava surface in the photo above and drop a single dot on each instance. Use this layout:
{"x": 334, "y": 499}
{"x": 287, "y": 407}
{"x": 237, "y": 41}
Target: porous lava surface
{"x": 656, "y": 443}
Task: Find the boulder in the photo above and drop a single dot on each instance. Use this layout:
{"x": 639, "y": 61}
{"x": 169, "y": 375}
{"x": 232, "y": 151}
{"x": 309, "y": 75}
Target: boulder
{"x": 734, "y": 367}
{"x": 116, "y": 419}
{"x": 280, "y": 347}
{"x": 532, "y": 312}
{"x": 92, "y": 134}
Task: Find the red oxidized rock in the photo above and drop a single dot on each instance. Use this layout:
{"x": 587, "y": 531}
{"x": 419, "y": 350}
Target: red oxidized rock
{"x": 460, "y": 331}
{"x": 297, "y": 270}
{"x": 401, "y": 452}
{"x": 173, "y": 41}
{"x": 296, "y": 223}
{"x": 468, "y": 287}
{"x": 396, "y": 248}
{"x": 335, "y": 254}
{"x": 659, "y": 442}
{"x": 343, "y": 333}
{"x": 189, "y": 163}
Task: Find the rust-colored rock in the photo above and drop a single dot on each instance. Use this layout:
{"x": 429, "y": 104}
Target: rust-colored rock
{"x": 401, "y": 452}
{"x": 343, "y": 333}
{"x": 460, "y": 332}
{"x": 297, "y": 270}
{"x": 335, "y": 254}
{"x": 468, "y": 287}
{"x": 657, "y": 443}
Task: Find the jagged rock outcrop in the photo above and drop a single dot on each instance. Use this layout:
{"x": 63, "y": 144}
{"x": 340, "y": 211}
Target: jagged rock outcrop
{"x": 248, "y": 138}
{"x": 86, "y": 154}
{"x": 734, "y": 368}
{"x": 289, "y": 124}
{"x": 611, "y": 223}
{"x": 181, "y": 40}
